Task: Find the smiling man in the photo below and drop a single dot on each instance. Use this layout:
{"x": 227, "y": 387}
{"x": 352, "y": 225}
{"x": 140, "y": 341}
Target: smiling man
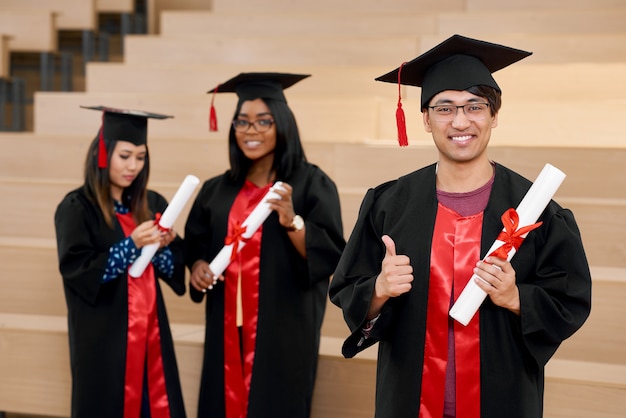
{"x": 418, "y": 240}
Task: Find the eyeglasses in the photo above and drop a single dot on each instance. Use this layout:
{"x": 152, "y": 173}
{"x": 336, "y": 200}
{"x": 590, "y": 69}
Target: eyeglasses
{"x": 472, "y": 111}
{"x": 261, "y": 125}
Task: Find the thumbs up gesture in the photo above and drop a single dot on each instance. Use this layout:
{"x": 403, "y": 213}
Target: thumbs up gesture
{"x": 396, "y": 273}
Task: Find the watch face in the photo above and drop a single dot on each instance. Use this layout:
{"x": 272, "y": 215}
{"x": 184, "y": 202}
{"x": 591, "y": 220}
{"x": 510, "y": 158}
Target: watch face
{"x": 298, "y": 223}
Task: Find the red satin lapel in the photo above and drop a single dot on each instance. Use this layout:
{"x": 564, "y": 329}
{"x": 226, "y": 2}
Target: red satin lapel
{"x": 455, "y": 250}
{"x": 245, "y": 267}
{"x": 144, "y": 342}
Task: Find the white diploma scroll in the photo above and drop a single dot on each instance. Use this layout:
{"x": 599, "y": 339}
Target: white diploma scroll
{"x": 180, "y": 199}
{"x": 529, "y": 210}
{"x": 256, "y": 218}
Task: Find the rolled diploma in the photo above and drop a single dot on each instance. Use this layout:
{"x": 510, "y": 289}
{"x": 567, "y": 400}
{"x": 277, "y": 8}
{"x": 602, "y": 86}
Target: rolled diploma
{"x": 256, "y": 218}
{"x": 168, "y": 218}
{"x": 529, "y": 210}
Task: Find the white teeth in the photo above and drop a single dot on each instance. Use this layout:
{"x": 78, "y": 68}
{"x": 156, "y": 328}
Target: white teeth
{"x": 461, "y": 138}
{"x": 253, "y": 143}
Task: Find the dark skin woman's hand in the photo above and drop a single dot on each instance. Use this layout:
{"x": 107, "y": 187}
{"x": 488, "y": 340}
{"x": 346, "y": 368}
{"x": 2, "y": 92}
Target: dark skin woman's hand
{"x": 202, "y": 278}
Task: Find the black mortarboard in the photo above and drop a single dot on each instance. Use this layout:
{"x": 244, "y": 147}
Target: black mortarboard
{"x": 455, "y": 64}
{"x": 251, "y": 86}
{"x": 122, "y": 125}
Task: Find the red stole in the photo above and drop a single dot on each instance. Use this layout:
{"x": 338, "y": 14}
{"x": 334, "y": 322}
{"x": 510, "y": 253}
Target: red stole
{"x": 242, "y": 272}
{"x": 455, "y": 251}
{"x": 143, "y": 347}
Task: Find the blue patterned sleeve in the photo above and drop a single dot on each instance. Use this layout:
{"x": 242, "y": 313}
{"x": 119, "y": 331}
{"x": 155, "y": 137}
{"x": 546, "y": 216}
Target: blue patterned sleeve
{"x": 124, "y": 253}
{"x": 121, "y": 255}
{"x": 163, "y": 261}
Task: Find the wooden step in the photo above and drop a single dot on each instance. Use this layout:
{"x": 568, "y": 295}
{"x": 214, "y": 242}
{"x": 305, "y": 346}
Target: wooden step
{"x": 5, "y": 56}
{"x": 359, "y": 23}
{"x": 357, "y": 165}
{"x": 35, "y": 360}
{"x": 19, "y": 23}
{"x": 354, "y": 165}
{"x": 60, "y": 114}
{"x": 409, "y": 6}
{"x": 63, "y": 157}
{"x": 332, "y": 7}
{"x": 269, "y": 50}
{"x": 483, "y": 24}
{"x": 598, "y": 218}
{"x": 33, "y": 263}
{"x": 117, "y": 6}
{"x": 268, "y": 23}
{"x": 336, "y": 80}
{"x": 41, "y": 292}
{"x": 579, "y": 389}
{"x": 598, "y": 341}
{"x": 541, "y": 5}
{"x": 33, "y": 216}
{"x": 374, "y": 162}
{"x": 523, "y": 81}
{"x": 552, "y": 48}
{"x": 72, "y": 14}
{"x": 303, "y": 50}
{"x": 548, "y": 122}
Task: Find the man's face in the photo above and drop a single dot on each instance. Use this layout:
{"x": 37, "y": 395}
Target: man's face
{"x": 461, "y": 134}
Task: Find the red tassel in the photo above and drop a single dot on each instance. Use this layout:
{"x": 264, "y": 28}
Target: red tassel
{"x": 102, "y": 149}
{"x": 403, "y": 139}
{"x": 212, "y": 120}
{"x": 213, "y": 114}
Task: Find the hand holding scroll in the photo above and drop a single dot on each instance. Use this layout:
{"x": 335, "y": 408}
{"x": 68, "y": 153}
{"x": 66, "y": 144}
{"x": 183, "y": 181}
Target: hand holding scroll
{"x": 164, "y": 224}
{"x": 202, "y": 278}
{"x": 496, "y": 277}
{"x": 517, "y": 223}
{"x": 282, "y": 204}
{"x": 233, "y": 244}
{"x": 146, "y": 233}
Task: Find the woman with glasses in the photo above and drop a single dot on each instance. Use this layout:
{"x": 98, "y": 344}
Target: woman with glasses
{"x": 264, "y": 314}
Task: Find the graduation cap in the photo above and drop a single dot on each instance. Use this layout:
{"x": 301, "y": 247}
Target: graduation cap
{"x": 122, "y": 125}
{"x": 251, "y": 86}
{"x": 457, "y": 63}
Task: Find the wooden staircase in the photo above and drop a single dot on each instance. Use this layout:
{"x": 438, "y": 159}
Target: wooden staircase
{"x": 561, "y": 106}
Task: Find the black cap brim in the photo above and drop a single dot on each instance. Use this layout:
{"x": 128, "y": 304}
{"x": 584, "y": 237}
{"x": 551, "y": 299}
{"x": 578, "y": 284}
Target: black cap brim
{"x": 478, "y": 60}
{"x": 122, "y": 125}
{"x": 268, "y": 85}
{"x": 129, "y": 112}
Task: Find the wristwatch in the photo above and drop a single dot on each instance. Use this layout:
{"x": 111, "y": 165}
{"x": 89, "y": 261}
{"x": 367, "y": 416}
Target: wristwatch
{"x": 297, "y": 224}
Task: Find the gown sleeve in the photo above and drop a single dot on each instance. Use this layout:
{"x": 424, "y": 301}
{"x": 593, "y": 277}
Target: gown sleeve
{"x": 198, "y": 234}
{"x": 557, "y": 300}
{"x": 82, "y": 251}
{"x": 324, "y": 228}
{"x": 353, "y": 283}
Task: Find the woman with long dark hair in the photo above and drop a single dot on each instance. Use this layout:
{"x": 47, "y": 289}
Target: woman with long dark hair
{"x": 121, "y": 350}
{"x": 264, "y": 314}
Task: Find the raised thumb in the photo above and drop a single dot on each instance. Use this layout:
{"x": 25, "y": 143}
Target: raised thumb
{"x": 389, "y": 245}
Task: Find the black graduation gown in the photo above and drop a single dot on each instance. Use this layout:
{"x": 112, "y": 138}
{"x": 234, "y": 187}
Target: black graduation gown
{"x": 292, "y": 294}
{"x": 552, "y": 275}
{"x": 98, "y": 312}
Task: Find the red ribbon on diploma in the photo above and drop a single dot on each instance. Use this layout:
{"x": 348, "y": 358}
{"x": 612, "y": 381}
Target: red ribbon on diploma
{"x": 157, "y": 219}
{"x": 511, "y": 235}
{"x": 235, "y": 238}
